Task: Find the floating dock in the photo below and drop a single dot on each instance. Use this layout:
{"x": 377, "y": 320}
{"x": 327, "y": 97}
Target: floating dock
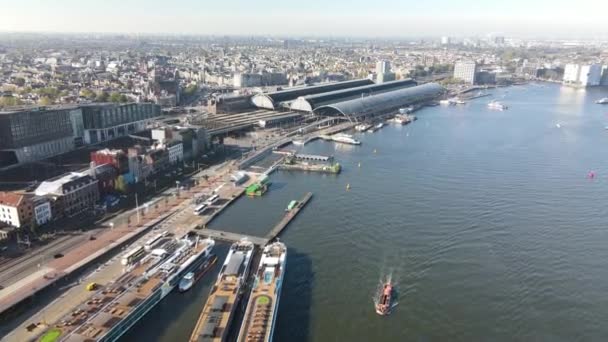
{"x": 278, "y": 229}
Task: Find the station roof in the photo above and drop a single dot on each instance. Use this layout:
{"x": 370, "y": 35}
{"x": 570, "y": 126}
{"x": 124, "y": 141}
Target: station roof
{"x": 383, "y": 102}
{"x": 310, "y": 102}
{"x": 271, "y": 100}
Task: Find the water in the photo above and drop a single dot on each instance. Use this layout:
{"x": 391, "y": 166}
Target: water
{"x": 486, "y": 219}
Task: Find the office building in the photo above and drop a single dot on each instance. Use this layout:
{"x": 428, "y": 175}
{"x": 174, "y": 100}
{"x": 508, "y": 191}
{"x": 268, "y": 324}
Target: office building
{"x": 465, "y": 71}
{"x": 445, "y": 40}
{"x": 33, "y": 133}
{"x": 109, "y": 121}
{"x": 576, "y": 75}
{"x": 383, "y": 72}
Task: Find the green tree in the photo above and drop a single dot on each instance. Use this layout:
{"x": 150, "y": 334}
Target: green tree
{"x": 102, "y": 96}
{"x": 115, "y": 97}
{"x": 191, "y": 89}
{"x": 19, "y": 81}
{"x": 87, "y": 93}
{"x": 45, "y": 101}
{"x": 124, "y": 98}
{"x": 6, "y": 101}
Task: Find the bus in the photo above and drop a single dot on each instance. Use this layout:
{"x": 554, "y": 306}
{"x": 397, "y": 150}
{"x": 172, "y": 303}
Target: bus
{"x": 133, "y": 255}
{"x": 212, "y": 199}
{"x": 199, "y": 209}
{"x": 153, "y": 240}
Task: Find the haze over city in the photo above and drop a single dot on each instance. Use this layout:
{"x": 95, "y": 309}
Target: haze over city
{"x": 385, "y": 18}
{"x": 302, "y": 171}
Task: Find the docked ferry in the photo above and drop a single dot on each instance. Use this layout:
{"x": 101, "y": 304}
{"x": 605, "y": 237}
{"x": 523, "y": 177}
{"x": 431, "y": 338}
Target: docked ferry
{"x": 217, "y": 314}
{"x": 261, "y": 313}
{"x": 345, "y": 138}
{"x": 114, "y": 309}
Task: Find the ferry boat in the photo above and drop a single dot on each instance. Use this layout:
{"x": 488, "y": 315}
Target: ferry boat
{"x": 403, "y": 119}
{"x": 497, "y": 105}
{"x": 192, "y": 277}
{"x": 114, "y": 309}
{"x": 602, "y": 101}
{"x": 375, "y": 127}
{"x": 217, "y": 314}
{"x": 262, "y": 307}
{"x": 384, "y": 302}
{"x": 345, "y": 138}
{"x": 362, "y": 127}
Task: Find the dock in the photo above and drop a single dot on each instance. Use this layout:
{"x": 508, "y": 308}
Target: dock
{"x": 222, "y": 235}
{"x": 278, "y": 229}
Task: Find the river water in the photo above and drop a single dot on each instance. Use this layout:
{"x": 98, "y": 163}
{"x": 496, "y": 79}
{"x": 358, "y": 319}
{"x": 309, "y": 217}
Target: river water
{"x": 487, "y": 220}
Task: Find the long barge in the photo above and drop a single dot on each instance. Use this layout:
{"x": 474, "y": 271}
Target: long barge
{"x": 214, "y": 321}
{"x": 114, "y": 309}
{"x": 261, "y": 313}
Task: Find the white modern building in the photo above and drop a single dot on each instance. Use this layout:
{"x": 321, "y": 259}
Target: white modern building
{"x": 465, "y": 71}
{"x": 577, "y": 75}
{"x": 445, "y": 40}
{"x": 42, "y": 211}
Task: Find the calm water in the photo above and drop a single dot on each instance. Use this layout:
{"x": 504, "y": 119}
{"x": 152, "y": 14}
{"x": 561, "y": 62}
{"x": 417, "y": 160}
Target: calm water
{"x": 486, "y": 219}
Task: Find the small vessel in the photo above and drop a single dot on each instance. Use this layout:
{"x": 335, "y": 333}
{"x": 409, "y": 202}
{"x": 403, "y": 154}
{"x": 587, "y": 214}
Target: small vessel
{"x": 348, "y": 186}
{"x": 345, "y": 139}
{"x": 403, "y": 119}
{"x": 384, "y": 302}
{"x": 191, "y": 278}
{"x": 447, "y": 102}
{"x": 362, "y": 127}
{"x": 558, "y": 125}
{"x": 298, "y": 142}
{"x": 291, "y": 205}
{"x": 602, "y": 101}
{"x": 497, "y": 105}
{"x": 186, "y": 283}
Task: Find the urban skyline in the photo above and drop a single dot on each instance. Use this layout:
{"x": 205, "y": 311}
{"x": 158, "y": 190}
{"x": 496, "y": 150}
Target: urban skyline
{"x": 315, "y": 18}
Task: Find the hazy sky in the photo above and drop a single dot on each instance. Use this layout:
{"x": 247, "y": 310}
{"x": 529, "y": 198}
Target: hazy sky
{"x": 311, "y": 17}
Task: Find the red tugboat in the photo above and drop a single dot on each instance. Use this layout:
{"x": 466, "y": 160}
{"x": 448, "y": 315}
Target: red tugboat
{"x": 384, "y": 303}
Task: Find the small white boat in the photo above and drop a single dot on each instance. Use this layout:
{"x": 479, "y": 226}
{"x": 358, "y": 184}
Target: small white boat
{"x": 186, "y": 282}
{"x": 558, "y": 125}
{"x": 362, "y": 127}
{"x": 497, "y": 105}
{"x": 602, "y": 101}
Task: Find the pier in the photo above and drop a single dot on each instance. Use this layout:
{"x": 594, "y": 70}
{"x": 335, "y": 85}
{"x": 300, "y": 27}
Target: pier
{"x": 278, "y": 229}
{"x": 222, "y": 235}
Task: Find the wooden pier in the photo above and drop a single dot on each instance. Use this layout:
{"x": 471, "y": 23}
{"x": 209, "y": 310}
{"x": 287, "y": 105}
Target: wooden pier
{"x": 288, "y": 217}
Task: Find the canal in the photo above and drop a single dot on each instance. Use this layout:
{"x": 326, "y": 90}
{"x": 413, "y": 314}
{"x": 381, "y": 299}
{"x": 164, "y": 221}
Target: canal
{"x": 487, "y": 220}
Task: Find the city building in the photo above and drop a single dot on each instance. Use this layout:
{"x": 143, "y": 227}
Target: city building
{"x": 445, "y": 40}
{"x": 74, "y": 192}
{"x": 577, "y": 75}
{"x": 246, "y": 80}
{"x": 175, "y": 150}
{"x": 43, "y": 209}
{"x": 383, "y": 72}
{"x": 117, "y": 158}
{"x": 15, "y": 209}
{"x": 604, "y": 81}
{"x": 109, "y": 121}
{"x": 465, "y": 71}
{"x": 32, "y": 133}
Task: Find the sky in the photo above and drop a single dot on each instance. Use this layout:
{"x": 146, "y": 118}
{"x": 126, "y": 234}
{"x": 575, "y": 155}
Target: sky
{"x": 369, "y": 18}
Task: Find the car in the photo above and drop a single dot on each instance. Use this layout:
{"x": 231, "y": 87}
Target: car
{"x": 58, "y": 255}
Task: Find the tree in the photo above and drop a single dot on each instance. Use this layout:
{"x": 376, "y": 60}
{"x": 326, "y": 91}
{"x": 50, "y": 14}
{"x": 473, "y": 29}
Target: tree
{"x": 6, "y": 101}
{"x": 102, "y": 96}
{"x": 19, "y": 81}
{"x": 45, "y": 101}
{"x": 191, "y": 89}
{"x": 115, "y": 97}
{"x": 124, "y": 98}
{"x": 87, "y": 93}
